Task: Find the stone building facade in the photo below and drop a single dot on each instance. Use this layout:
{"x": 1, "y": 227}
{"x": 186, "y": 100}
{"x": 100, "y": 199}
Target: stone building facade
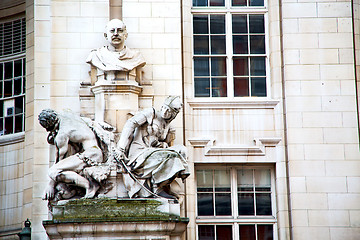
{"x": 270, "y": 116}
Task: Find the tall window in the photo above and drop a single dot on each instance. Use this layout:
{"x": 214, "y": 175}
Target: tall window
{"x": 12, "y": 76}
{"x": 229, "y": 50}
{"x": 235, "y": 203}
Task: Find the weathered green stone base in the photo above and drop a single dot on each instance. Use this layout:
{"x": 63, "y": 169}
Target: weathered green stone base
{"x": 115, "y": 219}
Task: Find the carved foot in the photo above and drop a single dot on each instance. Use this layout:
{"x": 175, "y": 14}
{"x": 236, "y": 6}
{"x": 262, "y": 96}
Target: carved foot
{"x": 91, "y": 191}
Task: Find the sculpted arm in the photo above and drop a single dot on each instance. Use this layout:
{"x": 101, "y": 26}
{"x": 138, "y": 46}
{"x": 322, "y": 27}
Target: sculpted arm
{"x": 62, "y": 144}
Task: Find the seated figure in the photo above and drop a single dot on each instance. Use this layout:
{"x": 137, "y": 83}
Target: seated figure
{"x": 144, "y": 150}
{"x": 80, "y": 161}
{"x": 115, "y": 61}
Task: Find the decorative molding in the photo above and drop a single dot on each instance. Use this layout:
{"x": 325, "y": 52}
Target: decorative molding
{"x": 117, "y": 88}
{"x": 235, "y": 150}
{"x": 228, "y": 104}
{"x": 12, "y": 138}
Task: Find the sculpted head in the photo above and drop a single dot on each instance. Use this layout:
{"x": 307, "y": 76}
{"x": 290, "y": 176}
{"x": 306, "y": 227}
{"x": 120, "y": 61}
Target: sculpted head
{"x": 115, "y": 33}
{"x": 48, "y": 118}
{"x": 171, "y": 108}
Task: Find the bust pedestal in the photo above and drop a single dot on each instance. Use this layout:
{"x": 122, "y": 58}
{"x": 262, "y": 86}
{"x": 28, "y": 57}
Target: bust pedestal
{"x": 116, "y": 219}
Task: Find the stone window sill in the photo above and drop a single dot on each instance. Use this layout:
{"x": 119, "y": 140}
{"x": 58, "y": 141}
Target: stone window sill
{"x": 12, "y": 138}
{"x": 233, "y": 104}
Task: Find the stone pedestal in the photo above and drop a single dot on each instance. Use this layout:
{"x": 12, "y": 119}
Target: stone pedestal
{"x": 114, "y": 102}
{"x": 116, "y": 219}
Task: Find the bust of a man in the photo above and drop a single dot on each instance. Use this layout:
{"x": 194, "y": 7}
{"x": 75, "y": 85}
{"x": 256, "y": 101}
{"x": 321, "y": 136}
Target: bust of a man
{"x": 116, "y": 59}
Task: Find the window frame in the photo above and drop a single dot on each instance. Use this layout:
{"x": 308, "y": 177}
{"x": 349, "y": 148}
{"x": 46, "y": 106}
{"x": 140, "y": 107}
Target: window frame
{"x": 228, "y": 11}
{"x": 235, "y": 219}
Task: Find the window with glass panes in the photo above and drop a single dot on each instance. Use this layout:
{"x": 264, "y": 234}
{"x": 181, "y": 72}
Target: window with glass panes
{"x": 235, "y": 203}
{"x": 229, "y": 48}
{"x": 12, "y": 76}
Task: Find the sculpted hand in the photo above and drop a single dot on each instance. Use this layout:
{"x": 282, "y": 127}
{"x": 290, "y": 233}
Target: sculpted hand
{"x": 49, "y": 193}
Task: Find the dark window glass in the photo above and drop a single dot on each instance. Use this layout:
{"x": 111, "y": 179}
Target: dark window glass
{"x": 256, "y": 2}
{"x": 246, "y": 204}
{"x": 205, "y": 204}
{"x": 202, "y": 87}
{"x": 19, "y": 106}
{"x": 240, "y": 66}
{"x": 247, "y": 232}
{"x": 8, "y": 34}
{"x": 240, "y": 44}
{"x": 224, "y": 232}
{"x": 265, "y": 232}
{"x": 1, "y": 89}
{"x": 257, "y": 66}
{"x": 218, "y": 45}
{"x": 218, "y": 66}
{"x": 201, "y": 44}
{"x": 7, "y": 88}
{"x": 201, "y": 25}
{"x": 217, "y": 24}
{"x": 239, "y": 24}
{"x": 217, "y": 2}
{"x": 2, "y": 126}
{"x": 1, "y": 70}
{"x": 223, "y": 204}
{"x": 17, "y": 86}
{"x": 206, "y": 232}
{"x": 257, "y": 44}
{"x": 1, "y": 108}
{"x": 199, "y": 3}
{"x": 256, "y": 24}
{"x": 23, "y": 84}
{"x": 238, "y": 3}
{"x": 18, "y": 68}
{"x": 9, "y": 125}
{"x": 263, "y": 204}
{"x": 241, "y": 87}
{"x": 258, "y": 87}
{"x": 23, "y": 66}
{"x": 8, "y": 70}
{"x": 218, "y": 87}
{"x": 18, "y": 123}
{"x": 201, "y": 66}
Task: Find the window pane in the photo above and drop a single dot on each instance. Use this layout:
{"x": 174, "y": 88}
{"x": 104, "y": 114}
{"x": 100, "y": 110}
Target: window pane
{"x": 9, "y": 125}
{"x": 201, "y": 45}
{"x": 265, "y": 232}
{"x": 8, "y": 70}
{"x": 1, "y": 70}
{"x": 239, "y": 24}
{"x": 200, "y": 24}
{"x": 1, "y": 108}
{"x": 18, "y": 123}
{"x": 7, "y": 88}
{"x": 17, "y": 68}
{"x": 23, "y": 65}
{"x": 245, "y": 180}
{"x": 263, "y": 204}
{"x": 222, "y": 204}
{"x": 256, "y": 24}
{"x": 205, "y": 204}
{"x": 217, "y": 3}
{"x": 218, "y": 66}
{"x": 201, "y": 66}
{"x": 257, "y": 44}
{"x": 204, "y": 180}
{"x": 247, "y": 232}
{"x": 217, "y": 24}
{"x": 262, "y": 180}
{"x": 240, "y": 44}
{"x": 24, "y": 85}
{"x": 1, "y": 89}
{"x": 224, "y": 232}
{"x": 218, "y": 87}
{"x": 258, "y": 87}
{"x": 238, "y": 2}
{"x": 17, "y": 86}
{"x": 218, "y": 45}
{"x": 202, "y": 87}
{"x": 256, "y": 2}
{"x": 222, "y": 181}
{"x": 19, "y": 105}
{"x": 2, "y": 126}
{"x": 257, "y": 66}
{"x": 206, "y": 232}
{"x": 241, "y": 87}
{"x": 240, "y": 66}
{"x": 246, "y": 204}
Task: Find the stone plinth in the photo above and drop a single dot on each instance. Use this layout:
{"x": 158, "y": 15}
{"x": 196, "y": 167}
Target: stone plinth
{"x": 116, "y": 219}
{"x": 114, "y": 102}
